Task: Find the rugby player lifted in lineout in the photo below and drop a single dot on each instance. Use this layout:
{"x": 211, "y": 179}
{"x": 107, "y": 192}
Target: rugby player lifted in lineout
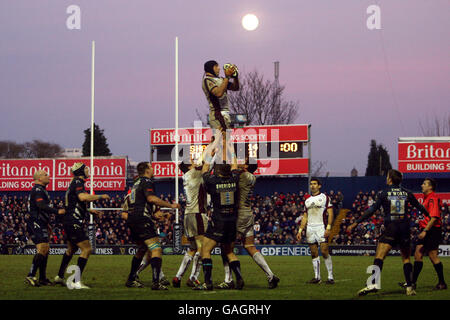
{"x": 215, "y": 89}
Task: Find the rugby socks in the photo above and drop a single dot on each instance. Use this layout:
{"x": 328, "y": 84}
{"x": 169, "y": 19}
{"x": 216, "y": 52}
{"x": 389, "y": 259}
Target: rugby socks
{"x": 187, "y": 259}
{"x": 196, "y": 261}
{"x": 64, "y": 263}
{"x": 207, "y": 270}
{"x": 316, "y": 267}
{"x": 226, "y": 267}
{"x": 37, "y": 262}
{"x": 161, "y": 275}
{"x": 82, "y": 264}
{"x": 236, "y": 267}
{"x": 407, "y": 271}
{"x": 144, "y": 264}
{"x": 416, "y": 271}
{"x": 135, "y": 263}
{"x": 440, "y": 271}
{"x": 329, "y": 266}
{"x": 156, "y": 266}
{"x": 261, "y": 262}
{"x": 43, "y": 269}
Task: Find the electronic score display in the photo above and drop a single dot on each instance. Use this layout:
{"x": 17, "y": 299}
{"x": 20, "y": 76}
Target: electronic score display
{"x": 262, "y": 150}
{"x": 278, "y": 149}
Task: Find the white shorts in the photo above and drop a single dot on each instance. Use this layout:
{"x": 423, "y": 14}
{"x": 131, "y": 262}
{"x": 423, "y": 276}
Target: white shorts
{"x": 195, "y": 224}
{"x": 315, "y": 234}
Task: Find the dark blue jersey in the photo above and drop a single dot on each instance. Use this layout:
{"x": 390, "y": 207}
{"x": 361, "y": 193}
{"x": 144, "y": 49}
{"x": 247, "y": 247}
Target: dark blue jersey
{"x": 139, "y": 207}
{"x": 39, "y": 205}
{"x": 395, "y": 201}
{"x": 224, "y": 193}
{"x": 76, "y": 210}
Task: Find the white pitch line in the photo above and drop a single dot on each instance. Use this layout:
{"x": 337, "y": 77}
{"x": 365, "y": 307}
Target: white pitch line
{"x": 342, "y": 280}
{"x": 209, "y": 292}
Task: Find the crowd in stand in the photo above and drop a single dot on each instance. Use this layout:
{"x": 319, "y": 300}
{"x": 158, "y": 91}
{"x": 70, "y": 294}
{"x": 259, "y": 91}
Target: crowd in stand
{"x": 276, "y": 220}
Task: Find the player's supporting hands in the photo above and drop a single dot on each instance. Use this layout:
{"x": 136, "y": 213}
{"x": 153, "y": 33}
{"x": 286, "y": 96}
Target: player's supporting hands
{"x": 327, "y": 233}
{"x": 175, "y": 206}
{"x": 351, "y": 227}
{"x": 96, "y": 212}
{"x": 422, "y": 235}
{"x": 299, "y": 235}
{"x": 161, "y": 216}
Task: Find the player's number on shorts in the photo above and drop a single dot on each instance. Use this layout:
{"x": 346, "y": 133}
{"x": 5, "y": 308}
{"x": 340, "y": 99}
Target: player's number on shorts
{"x": 74, "y": 277}
{"x": 375, "y": 274}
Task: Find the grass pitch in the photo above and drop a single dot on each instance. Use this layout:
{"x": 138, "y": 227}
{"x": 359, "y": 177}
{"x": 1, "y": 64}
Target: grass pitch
{"x": 106, "y": 275}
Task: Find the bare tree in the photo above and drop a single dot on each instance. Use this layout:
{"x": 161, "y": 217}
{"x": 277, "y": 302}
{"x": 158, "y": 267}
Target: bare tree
{"x": 318, "y": 169}
{"x": 42, "y": 149}
{"x": 11, "y": 149}
{"x": 261, "y": 101}
{"x": 34, "y": 149}
{"x": 438, "y": 127}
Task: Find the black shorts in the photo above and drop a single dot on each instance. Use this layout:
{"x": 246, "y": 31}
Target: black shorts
{"x": 39, "y": 233}
{"x": 223, "y": 231}
{"x": 397, "y": 234}
{"x": 432, "y": 239}
{"x": 142, "y": 230}
{"x": 75, "y": 233}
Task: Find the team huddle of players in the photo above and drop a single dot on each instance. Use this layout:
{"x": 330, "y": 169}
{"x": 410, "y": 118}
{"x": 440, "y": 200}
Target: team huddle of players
{"x": 229, "y": 186}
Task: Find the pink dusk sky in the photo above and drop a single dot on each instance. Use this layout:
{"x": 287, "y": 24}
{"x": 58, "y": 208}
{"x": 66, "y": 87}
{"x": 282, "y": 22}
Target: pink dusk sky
{"x": 352, "y": 84}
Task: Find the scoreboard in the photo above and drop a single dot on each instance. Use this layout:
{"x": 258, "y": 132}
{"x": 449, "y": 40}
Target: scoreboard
{"x": 278, "y": 149}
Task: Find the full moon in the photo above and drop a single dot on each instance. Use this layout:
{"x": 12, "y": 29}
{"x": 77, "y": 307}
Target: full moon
{"x": 250, "y": 22}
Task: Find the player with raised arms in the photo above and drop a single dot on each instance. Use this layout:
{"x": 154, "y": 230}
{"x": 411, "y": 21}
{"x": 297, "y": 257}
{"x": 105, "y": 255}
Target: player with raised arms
{"x": 195, "y": 222}
{"x": 38, "y": 226}
{"x": 73, "y": 222}
{"x": 395, "y": 201}
{"x": 244, "y": 227}
{"x": 223, "y": 186}
{"x": 314, "y": 219}
{"x": 142, "y": 226}
{"x": 215, "y": 89}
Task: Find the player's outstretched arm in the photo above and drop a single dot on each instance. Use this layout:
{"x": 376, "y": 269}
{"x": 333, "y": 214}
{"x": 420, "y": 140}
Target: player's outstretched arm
{"x": 96, "y": 212}
{"x": 47, "y": 209}
{"x": 205, "y": 168}
{"x": 86, "y": 197}
{"x": 416, "y": 204}
{"x": 161, "y": 203}
{"x": 234, "y": 86}
{"x": 369, "y": 212}
{"x": 234, "y": 164}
